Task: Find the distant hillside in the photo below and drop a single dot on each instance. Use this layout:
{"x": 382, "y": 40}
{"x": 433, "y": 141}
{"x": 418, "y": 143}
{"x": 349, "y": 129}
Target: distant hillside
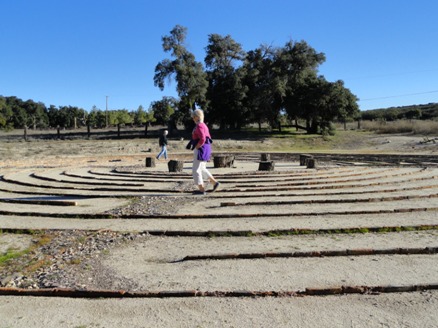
{"x": 419, "y": 112}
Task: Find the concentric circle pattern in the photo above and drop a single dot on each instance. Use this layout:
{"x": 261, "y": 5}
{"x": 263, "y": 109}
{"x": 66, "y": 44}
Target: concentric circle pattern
{"x": 363, "y": 225}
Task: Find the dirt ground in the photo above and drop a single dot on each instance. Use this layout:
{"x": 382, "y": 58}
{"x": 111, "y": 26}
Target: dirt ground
{"x": 148, "y": 263}
{"x": 94, "y": 152}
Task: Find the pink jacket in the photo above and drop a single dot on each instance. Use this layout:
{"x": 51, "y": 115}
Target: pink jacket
{"x": 201, "y": 133}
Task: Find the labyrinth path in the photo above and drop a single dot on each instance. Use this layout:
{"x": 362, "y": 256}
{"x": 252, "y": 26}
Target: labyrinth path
{"x": 356, "y": 228}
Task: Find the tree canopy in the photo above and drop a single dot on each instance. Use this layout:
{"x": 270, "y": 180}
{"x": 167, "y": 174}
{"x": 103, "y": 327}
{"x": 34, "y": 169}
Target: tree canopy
{"x": 189, "y": 74}
{"x": 239, "y": 87}
{"x": 16, "y": 113}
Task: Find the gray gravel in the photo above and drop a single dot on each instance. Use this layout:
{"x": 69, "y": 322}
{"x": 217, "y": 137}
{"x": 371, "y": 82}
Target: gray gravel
{"x": 68, "y": 259}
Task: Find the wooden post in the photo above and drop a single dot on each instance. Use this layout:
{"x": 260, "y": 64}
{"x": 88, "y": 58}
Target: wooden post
{"x": 311, "y": 163}
{"x": 265, "y": 157}
{"x": 223, "y": 161}
{"x": 266, "y": 166}
{"x": 150, "y": 162}
{"x": 304, "y": 158}
{"x": 175, "y": 166}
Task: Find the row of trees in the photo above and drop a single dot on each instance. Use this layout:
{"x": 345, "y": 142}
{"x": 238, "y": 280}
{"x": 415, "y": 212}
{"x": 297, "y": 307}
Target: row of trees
{"x": 417, "y": 112}
{"x": 19, "y": 114}
{"x": 259, "y": 86}
{"x": 267, "y": 85}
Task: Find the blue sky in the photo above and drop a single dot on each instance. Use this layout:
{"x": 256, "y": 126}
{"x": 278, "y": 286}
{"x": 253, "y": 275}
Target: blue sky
{"x": 77, "y": 53}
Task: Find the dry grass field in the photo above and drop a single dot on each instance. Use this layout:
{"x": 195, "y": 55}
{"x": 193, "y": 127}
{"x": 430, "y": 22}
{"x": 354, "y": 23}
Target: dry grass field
{"x": 13, "y": 148}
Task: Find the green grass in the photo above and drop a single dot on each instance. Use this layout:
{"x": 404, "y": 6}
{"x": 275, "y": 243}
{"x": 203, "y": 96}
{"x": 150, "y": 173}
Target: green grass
{"x": 10, "y": 255}
{"x": 13, "y": 253}
{"x": 343, "y": 140}
{"x": 292, "y": 143}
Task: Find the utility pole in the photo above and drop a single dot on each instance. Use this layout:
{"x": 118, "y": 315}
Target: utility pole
{"x": 106, "y": 112}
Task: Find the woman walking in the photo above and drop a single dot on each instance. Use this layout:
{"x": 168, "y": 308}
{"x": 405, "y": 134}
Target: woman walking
{"x": 201, "y": 143}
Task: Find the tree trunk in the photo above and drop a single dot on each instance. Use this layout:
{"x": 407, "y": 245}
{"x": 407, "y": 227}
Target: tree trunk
{"x": 223, "y": 161}
{"x": 308, "y": 126}
{"x": 175, "y": 166}
{"x": 267, "y": 166}
{"x": 304, "y": 158}
{"x": 311, "y": 163}
{"x": 150, "y": 162}
{"x": 314, "y": 127}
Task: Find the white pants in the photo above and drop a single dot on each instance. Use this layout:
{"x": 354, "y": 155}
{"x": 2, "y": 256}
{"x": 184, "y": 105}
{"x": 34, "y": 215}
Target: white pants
{"x": 199, "y": 170}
